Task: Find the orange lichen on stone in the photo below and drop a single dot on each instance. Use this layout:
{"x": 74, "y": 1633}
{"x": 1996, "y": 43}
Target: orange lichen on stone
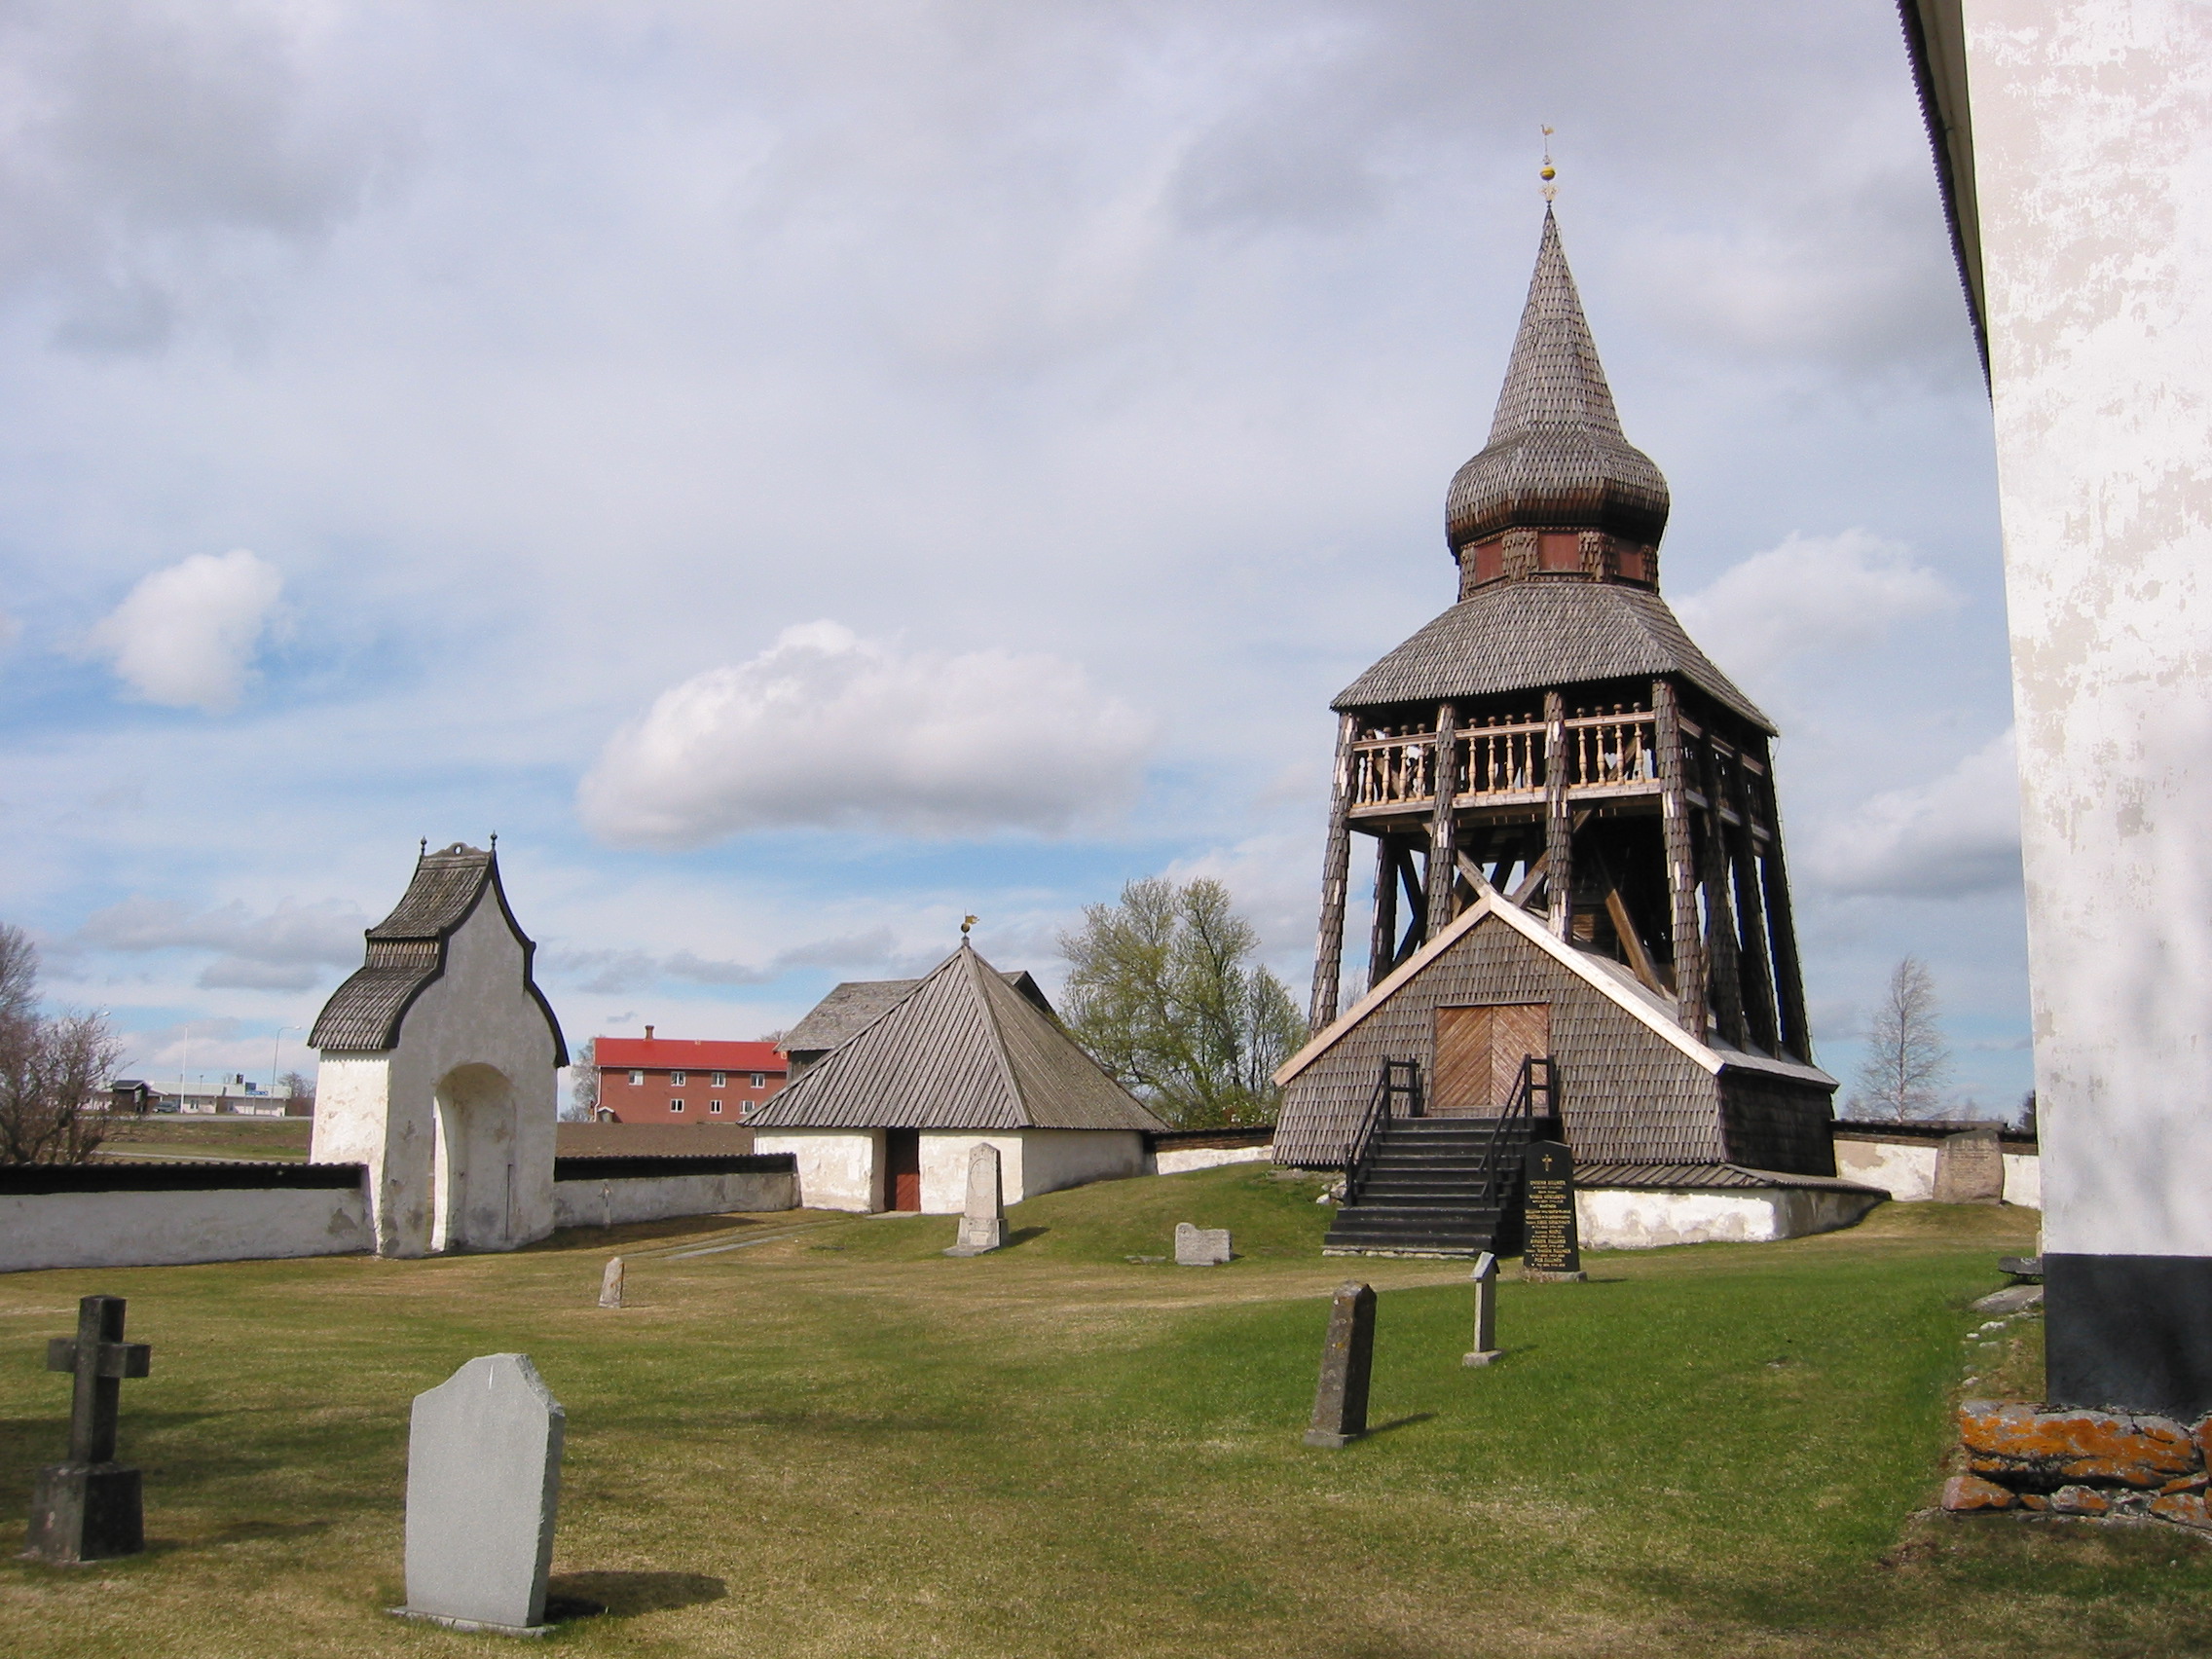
{"x": 2137, "y": 1451}
{"x": 1965, "y": 1492}
{"x": 2079, "y": 1500}
{"x": 2187, "y": 1482}
{"x": 2184, "y": 1508}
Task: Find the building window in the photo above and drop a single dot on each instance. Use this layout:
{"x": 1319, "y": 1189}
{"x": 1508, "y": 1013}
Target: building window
{"x": 675, "y": 1105}
{"x": 677, "y": 1077}
{"x": 759, "y": 1080}
{"x": 721, "y": 1080}
{"x": 636, "y": 1078}
{"x": 714, "y": 1105}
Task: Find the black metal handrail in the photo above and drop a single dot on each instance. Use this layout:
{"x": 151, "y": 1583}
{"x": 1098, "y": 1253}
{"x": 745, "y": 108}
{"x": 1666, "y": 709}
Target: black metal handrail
{"x": 1540, "y": 1075}
{"x": 1386, "y": 1089}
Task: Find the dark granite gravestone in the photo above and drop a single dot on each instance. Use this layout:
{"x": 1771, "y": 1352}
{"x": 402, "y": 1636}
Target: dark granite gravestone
{"x": 1554, "y": 1247}
{"x": 1339, "y": 1407}
{"x": 91, "y": 1508}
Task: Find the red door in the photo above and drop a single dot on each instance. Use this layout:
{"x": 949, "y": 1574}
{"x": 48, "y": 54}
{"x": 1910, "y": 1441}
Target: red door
{"x": 903, "y": 1169}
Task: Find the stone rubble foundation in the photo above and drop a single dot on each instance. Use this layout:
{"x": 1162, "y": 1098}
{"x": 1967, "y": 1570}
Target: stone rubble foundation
{"x": 2080, "y": 1462}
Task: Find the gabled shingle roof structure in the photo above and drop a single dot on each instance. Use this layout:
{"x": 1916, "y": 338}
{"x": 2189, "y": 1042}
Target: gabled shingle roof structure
{"x": 1556, "y": 454}
{"x": 961, "y": 1049}
{"x": 856, "y": 1004}
{"x": 407, "y": 953}
{"x": 1525, "y": 636}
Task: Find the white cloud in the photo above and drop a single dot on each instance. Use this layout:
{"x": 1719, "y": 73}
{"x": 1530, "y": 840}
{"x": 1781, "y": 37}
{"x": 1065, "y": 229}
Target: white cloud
{"x": 1956, "y": 836}
{"x": 828, "y": 730}
{"x": 289, "y": 948}
{"x": 1812, "y": 594}
{"x": 186, "y": 636}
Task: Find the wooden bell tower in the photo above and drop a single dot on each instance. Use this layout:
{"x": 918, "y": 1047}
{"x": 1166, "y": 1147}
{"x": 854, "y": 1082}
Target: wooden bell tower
{"x": 1557, "y": 738}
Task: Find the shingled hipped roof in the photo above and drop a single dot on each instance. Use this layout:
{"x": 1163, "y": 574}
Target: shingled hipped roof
{"x": 857, "y": 1004}
{"x": 1556, "y": 456}
{"x": 1525, "y": 636}
{"x": 962, "y": 1050}
{"x": 407, "y": 953}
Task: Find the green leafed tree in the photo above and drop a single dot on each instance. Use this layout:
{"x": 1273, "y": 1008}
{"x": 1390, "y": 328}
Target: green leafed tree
{"x": 1162, "y": 990}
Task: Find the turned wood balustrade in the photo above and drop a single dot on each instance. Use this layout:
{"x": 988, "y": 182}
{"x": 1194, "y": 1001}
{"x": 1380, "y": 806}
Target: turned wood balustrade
{"x": 1503, "y": 756}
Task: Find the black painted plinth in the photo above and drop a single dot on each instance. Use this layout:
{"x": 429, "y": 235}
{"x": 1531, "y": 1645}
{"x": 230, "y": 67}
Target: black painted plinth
{"x": 2129, "y": 1332}
{"x": 85, "y": 1512}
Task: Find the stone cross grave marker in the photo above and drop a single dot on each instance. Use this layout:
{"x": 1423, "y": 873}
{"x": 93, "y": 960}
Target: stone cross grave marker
{"x": 983, "y": 1223}
{"x": 610, "y": 1283}
{"x": 483, "y": 1482}
{"x": 92, "y": 1507}
{"x": 1339, "y": 1405}
{"x": 1201, "y": 1246}
{"x": 1485, "y": 1277}
{"x": 1553, "y": 1251}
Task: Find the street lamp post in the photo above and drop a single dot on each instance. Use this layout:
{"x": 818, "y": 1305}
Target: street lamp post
{"x": 276, "y": 1047}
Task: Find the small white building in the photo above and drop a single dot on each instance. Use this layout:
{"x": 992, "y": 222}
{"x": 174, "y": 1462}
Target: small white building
{"x": 438, "y": 1063}
{"x": 885, "y": 1121}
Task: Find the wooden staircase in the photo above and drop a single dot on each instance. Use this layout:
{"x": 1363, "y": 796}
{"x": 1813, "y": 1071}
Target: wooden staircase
{"x": 1422, "y": 1186}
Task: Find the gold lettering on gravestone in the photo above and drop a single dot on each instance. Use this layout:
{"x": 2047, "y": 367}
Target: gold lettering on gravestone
{"x": 1554, "y": 1243}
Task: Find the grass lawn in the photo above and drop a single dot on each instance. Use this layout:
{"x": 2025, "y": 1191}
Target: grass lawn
{"x": 838, "y": 1442}
{"x": 171, "y": 1133}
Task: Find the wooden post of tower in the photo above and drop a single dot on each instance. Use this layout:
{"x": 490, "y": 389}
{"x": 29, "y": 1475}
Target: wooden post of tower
{"x": 1336, "y": 874}
{"x": 1682, "y": 877}
{"x": 1382, "y": 945}
{"x": 1789, "y": 976}
{"x": 1559, "y": 828}
{"x": 1726, "y": 963}
{"x": 1758, "y": 970}
{"x": 1443, "y": 842}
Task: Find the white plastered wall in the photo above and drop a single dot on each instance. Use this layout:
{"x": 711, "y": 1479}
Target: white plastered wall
{"x": 1054, "y": 1159}
{"x": 945, "y": 1168}
{"x": 840, "y": 1170}
{"x": 1178, "y": 1161}
{"x": 1617, "y": 1218}
{"x": 384, "y": 1110}
{"x": 2092, "y": 130}
{"x": 149, "y": 1229}
{"x": 1903, "y": 1169}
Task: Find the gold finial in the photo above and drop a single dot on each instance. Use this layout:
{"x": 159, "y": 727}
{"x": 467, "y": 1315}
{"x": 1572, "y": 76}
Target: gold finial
{"x": 1547, "y": 172}
{"x": 965, "y": 922}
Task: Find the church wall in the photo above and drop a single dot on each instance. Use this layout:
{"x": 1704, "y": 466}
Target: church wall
{"x": 1614, "y": 1218}
{"x": 1054, "y": 1158}
{"x": 1630, "y": 1095}
{"x": 2092, "y": 123}
{"x": 1772, "y": 1124}
{"x": 137, "y": 1229}
{"x": 615, "y": 1201}
{"x": 945, "y": 1168}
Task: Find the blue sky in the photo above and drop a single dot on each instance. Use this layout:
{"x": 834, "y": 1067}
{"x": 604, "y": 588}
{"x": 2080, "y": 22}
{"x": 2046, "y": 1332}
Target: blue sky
{"x": 804, "y": 474}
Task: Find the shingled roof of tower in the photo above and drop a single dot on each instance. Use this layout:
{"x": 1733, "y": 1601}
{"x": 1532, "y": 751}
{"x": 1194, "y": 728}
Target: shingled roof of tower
{"x": 407, "y": 953}
{"x": 962, "y": 1050}
{"x": 1556, "y": 454}
{"x": 1524, "y": 636}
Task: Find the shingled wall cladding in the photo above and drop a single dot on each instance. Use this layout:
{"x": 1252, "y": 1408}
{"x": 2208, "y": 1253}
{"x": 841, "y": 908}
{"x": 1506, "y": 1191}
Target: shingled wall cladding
{"x": 1774, "y": 1123}
{"x": 1628, "y": 1093}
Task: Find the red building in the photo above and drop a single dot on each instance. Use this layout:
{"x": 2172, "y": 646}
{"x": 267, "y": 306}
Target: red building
{"x": 661, "y": 1080}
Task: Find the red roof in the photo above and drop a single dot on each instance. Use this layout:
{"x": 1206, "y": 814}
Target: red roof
{"x": 669, "y": 1053}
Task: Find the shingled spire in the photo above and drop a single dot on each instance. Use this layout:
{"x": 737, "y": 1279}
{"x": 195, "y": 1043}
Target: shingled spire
{"x": 1557, "y": 461}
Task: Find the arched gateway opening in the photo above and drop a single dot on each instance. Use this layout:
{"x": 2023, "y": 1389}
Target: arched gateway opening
{"x": 472, "y": 1161}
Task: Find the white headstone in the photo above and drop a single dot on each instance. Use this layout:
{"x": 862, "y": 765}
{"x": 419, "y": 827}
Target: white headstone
{"x": 1201, "y": 1246}
{"x": 982, "y": 1224}
{"x": 610, "y": 1283}
{"x": 483, "y": 1481}
{"x": 1485, "y": 1277}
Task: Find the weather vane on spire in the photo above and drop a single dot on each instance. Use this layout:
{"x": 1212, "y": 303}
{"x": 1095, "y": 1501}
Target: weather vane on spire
{"x": 966, "y": 922}
{"x": 1547, "y": 172}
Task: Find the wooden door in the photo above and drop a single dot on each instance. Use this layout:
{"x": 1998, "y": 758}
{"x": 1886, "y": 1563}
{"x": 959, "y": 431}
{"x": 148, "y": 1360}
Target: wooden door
{"x": 1479, "y": 1053}
{"x": 903, "y": 1169}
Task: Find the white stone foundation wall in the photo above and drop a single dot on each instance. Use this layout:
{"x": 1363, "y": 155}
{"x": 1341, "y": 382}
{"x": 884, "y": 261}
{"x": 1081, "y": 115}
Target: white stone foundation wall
{"x": 174, "y": 1229}
{"x": 1178, "y": 1161}
{"x": 1618, "y": 1218}
{"x": 612, "y": 1202}
{"x": 840, "y": 1170}
{"x": 1903, "y": 1169}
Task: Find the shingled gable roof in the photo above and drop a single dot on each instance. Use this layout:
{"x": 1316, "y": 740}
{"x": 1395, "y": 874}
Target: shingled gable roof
{"x": 856, "y": 1004}
{"x": 1608, "y": 976}
{"x": 1527, "y": 635}
{"x": 407, "y": 953}
{"x": 962, "y": 1050}
{"x": 1555, "y": 455}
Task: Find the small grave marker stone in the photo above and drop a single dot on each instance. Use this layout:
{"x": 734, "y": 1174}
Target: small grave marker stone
{"x": 1340, "y": 1405}
{"x": 483, "y": 1483}
{"x": 1485, "y": 1277}
{"x": 1201, "y": 1246}
{"x": 1553, "y": 1251}
{"x": 91, "y": 1508}
{"x": 610, "y": 1283}
{"x": 1970, "y": 1167}
{"x": 982, "y": 1222}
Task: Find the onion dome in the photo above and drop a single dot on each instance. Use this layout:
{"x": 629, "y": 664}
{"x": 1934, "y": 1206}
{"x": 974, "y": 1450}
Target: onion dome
{"x": 1556, "y": 457}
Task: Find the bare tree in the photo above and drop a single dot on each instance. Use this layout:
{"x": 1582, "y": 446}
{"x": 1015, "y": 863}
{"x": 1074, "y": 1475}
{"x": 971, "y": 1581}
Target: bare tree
{"x": 1906, "y": 1060}
{"x": 51, "y": 1067}
{"x": 1164, "y": 995}
{"x": 299, "y": 1094}
{"x": 583, "y": 1083}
